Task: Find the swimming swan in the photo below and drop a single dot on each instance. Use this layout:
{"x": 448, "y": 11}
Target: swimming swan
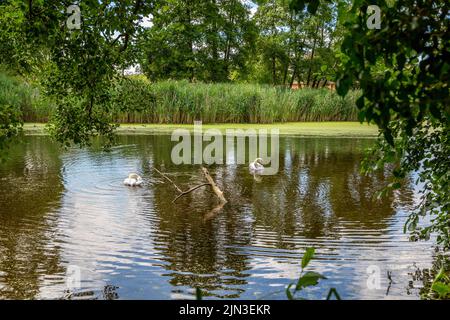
{"x": 256, "y": 166}
{"x": 133, "y": 180}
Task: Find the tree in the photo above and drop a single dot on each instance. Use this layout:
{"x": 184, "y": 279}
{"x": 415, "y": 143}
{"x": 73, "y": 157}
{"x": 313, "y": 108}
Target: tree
{"x": 204, "y": 40}
{"x": 403, "y": 71}
{"x": 295, "y": 46}
{"x": 82, "y": 62}
{"x": 168, "y": 46}
{"x": 272, "y": 21}
{"x": 17, "y": 55}
{"x": 10, "y": 112}
{"x": 409, "y": 101}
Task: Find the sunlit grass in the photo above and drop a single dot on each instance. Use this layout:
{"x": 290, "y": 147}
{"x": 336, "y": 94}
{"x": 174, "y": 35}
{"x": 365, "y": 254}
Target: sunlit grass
{"x": 343, "y": 129}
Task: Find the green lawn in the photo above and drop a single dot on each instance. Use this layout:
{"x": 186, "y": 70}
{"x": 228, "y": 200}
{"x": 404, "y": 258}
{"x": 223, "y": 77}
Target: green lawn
{"x": 340, "y": 129}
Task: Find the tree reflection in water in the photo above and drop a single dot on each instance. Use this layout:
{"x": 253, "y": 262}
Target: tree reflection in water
{"x": 31, "y": 189}
{"x": 61, "y": 208}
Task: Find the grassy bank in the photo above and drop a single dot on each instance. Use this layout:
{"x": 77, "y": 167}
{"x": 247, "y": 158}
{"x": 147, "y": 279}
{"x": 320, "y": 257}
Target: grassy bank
{"x": 326, "y": 129}
{"x": 159, "y": 108}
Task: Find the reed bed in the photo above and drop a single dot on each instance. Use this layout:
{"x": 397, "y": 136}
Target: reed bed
{"x": 25, "y": 98}
{"x": 136, "y": 100}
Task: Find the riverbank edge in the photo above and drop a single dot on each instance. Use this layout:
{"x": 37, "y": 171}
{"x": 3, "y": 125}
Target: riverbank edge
{"x": 322, "y": 129}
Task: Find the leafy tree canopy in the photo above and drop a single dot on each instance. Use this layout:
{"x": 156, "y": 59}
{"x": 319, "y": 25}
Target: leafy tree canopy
{"x": 81, "y": 62}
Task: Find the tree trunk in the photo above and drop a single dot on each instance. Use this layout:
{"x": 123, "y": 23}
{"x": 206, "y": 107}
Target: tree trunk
{"x": 312, "y": 56}
{"x": 190, "y": 44}
{"x": 285, "y": 73}
{"x": 293, "y": 76}
{"x": 314, "y": 83}
{"x": 215, "y": 68}
{"x": 286, "y": 68}
{"x": 274, "y": 73}
{"x": 297, "y": 54}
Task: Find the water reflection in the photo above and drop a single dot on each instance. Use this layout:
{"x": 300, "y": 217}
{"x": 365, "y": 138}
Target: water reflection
{"x": 61, "y": 209}
{"x": 30, "y": 193}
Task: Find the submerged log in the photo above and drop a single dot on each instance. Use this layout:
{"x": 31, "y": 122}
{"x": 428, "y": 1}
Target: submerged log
{"x": 190, "y": 190}
{"x": 168, "y": 179}
{"x": 214, "y": 186}
{"x": 210, "y": 183}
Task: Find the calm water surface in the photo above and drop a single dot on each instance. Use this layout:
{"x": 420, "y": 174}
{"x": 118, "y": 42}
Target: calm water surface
{"x": 63, "y": 211}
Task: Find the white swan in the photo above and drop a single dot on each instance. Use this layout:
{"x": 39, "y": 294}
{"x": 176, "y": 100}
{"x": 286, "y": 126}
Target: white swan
{"x": 256, "y": 166}
{"x": 133, "y": 180}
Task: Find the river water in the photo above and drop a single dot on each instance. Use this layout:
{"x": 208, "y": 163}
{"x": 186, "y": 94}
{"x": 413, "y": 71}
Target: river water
{"x": 70, "y": 229}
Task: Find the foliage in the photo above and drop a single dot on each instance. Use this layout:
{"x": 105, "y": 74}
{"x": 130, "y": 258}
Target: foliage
{"x": 401, "y": 69}
{"x": 14, "y": 97}
{"x": 307, "y": 279}
{"x": 17, "y": 51}
{"x": 81, "y": 62}
{"x": 293, "y": 46}
{"x": 441, "y": 285}
{"x": 436, "y": 280}
{"x": 223, "y": 40}
{"x": 79, "y": 70}
{"x": 132, "y": 100}
{"x": 409, "y": 101}
{"x": 403, "y": 72}
{"x": 197, "y": 40}
{"x": 138, "y": 101}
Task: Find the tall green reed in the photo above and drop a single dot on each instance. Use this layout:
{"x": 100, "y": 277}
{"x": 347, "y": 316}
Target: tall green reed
{"x": 136, "y": 100}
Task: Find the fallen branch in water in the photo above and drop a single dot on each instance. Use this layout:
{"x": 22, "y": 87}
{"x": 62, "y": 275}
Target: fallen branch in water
{"x": 168, "y": 179}
{"x": 210, "y": 183}
{"x": 214, "y": 186}
{"x": 190, "y": 190}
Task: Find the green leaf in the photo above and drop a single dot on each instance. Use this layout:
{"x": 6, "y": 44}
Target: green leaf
{"x": 313, "y": 5}
{"x": 198, "y": 294}
{"x": 289, "y": 293}
{"x": 441, "y": 289}
{"x": 310, "y": 278}
{"x": 297, "y": 5}
{"x": 343, "y": 85}
{"x": 309, "y": 253}
{"x": 360, "y": 104}
{"x": 388, "y": 136}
